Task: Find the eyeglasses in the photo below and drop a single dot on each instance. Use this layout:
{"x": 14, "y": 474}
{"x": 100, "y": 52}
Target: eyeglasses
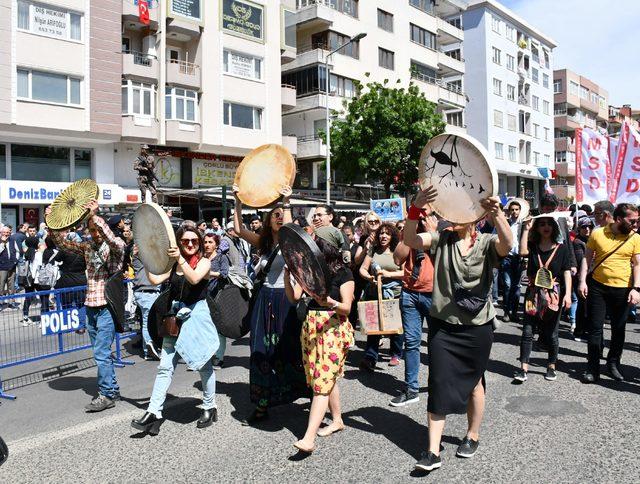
{"x": 318, "y": 215}
{"x": 278, "y": 214}
{"x": 373, "y": 222}
{"x": 188, "y": 242}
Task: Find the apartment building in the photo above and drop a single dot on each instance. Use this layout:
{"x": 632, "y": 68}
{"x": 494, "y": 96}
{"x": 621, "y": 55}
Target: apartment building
{"x": 578, "y": 102}
{"x": 509, "y": 77}
{"x": 622, "y": 114}
{"x": 418, "y": 41}
{"x": 83, "y": 84}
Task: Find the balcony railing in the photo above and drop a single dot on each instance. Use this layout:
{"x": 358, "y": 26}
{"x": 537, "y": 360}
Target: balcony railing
{"x": 523, "y": 101}
{"x": 438, "y": 82}
{"x": 312, "y": 46}
{"x": 140, "y": 58}
{"x": 309, "y": 137}
{"x": 185, "y": 67}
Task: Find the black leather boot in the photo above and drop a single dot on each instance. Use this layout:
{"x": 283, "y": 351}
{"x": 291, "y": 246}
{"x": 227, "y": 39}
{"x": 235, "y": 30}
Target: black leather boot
{"x": 209, "y": 415}
{"x": 149, "y": 423}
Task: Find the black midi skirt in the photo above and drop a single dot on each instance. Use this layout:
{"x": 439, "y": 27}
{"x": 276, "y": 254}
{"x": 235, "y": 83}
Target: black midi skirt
{"x": 458, "y": 358}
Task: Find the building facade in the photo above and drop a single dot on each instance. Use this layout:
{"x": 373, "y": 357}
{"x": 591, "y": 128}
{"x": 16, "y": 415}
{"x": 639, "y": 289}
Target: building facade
{"x": 418, "y": 41}
{"x": 509, "y": 73}
{"x": 578, "y": 102}
{"x": 83, "y": 84}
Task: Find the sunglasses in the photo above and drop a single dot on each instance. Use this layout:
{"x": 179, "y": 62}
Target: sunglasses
{"x": 188, "y": 242}
{"x": 373, "y": 222}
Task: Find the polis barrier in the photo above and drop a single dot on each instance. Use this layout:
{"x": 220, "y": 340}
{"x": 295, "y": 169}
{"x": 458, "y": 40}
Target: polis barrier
{"x": 44, "y": 324}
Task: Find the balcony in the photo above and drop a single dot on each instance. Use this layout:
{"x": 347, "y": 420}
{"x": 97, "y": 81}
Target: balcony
{"x": 182, "y": 30}
{"x": 441, "y": 91}
{"x": 308, "y": 55}
{"x": 311, "y": 147}
{"x": 288, "y": 97}
{"x": 448, "y": 65}
{"x": 316, "y": 101}
{"x": 564, "y": 192}
{"x": 315, "y": 14}
{"x": 140, "y": 128}
{"x": 130, "y": 14}
{"x": 566, "y": 122}
{"x": 184, "y": 133}
{"x": 566, "y": 169}
{"x": 448, "y": 33}
{"x": 140, "y": 66}
{"x": 184, "y": 74}
{"x": 290, "y": 142}
{"x": 564, "y": 144}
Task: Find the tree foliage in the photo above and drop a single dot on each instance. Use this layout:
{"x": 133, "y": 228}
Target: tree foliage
{"x": 381, "y": 134}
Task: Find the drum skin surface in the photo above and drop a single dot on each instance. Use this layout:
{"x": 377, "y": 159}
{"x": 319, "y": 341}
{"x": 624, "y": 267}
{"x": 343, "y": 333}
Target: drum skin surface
{"x": 153, "y": 234}
{"x": 67, "y": 210}
{"x": 305, "y": 260}
{"x": 459, "y": 168}
{"x": 262, "y": 174}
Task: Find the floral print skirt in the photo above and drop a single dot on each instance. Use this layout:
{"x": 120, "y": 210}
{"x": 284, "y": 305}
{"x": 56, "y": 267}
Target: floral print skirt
{"x": 326, "y": 338}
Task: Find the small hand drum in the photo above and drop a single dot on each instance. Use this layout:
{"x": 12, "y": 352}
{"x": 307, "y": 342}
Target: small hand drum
{"x": 305, "y": 260}
{"x": 153, "y": 234}
{"x": 459, "y": 168}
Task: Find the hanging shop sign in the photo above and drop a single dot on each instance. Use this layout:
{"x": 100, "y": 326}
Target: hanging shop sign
{"x": 210, "y": 173}
{"x": 243, "y": 18}
{"x": 168, "y": 171}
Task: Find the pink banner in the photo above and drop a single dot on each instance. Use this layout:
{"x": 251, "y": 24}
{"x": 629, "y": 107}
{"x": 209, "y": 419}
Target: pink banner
{"x": 593, "y": 169}
{"x": 626, "y": 178}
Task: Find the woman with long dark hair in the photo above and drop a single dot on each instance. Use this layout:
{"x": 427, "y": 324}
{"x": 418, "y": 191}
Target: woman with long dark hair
{"x": 275, "y": 376}
{"x": 326, "y": 338}
{"x": 197, "y": 341}
{"x": 549, "y": 290}
{"x": 379, "y": 262}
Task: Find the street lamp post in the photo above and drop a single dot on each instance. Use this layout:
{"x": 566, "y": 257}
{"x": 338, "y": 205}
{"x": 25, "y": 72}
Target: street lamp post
{"x": 328, "y": 133}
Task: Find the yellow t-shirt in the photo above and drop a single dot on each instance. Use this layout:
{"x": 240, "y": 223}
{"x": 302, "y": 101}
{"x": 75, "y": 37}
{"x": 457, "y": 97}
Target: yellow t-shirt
{"x": 615, "y": 271}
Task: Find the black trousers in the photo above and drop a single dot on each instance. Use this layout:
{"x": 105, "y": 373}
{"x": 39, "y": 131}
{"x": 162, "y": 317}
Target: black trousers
{"x": 603, "y": 300}
{"x": 548, "y": 330}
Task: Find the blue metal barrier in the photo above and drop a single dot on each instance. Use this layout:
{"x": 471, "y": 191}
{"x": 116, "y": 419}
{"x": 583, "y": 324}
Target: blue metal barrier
{"x": 44, "y": 324}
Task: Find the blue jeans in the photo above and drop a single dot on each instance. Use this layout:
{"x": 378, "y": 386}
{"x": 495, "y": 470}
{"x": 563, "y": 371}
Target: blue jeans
{"x": 145, "y": 300}
{"x": 574, "y": 307}
{"x": 414, "y": 307}
{"x": 102, "y": 332}
{"x": 168, "y": 361}
{"x": 222, "y": 348}
{"x": 510, "y": 273}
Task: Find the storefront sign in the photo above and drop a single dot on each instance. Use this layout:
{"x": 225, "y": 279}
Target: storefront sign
{"x": 168, "y": 172}
{"x": 243, "y": 18}
{"x": 50, "y": 22}
{"x": 63, "y": 321}
{"x": 43, "y": 193}
{"x": 186, "y": 8}
{"x": 213, "y": 173}
{"x": 241, "y": 65}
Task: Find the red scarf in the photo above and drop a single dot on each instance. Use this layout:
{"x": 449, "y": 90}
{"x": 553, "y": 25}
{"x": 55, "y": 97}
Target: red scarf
{"x": 193, "y": 260}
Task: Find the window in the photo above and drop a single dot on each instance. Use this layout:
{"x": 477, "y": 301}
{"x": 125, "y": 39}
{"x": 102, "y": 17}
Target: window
{"x": 496, "y": 56}
{"x": 385, "y": 58}
{"x": 332, "y": 40}
{"x": 594, "y": 97}
{"x": 49, "y": 87}
{"x": 511, "y": 62}
{"x": 536, "y": 129}
{"x": 307, "y": 81}
{"x": 513, "y": 153}
{"x": 138, "y": 98}
{"x": 50, "y": 21}
{"x": 536, "y": 157}
{"x": 560, "y": 109}
{"x": 534, "y": 75}
{"x": 42, "y": 163}
{"x": 423, "y": 37}
{"x": 510, "y": 33}
{"x": 557, "y": 86}
{"x": 498, "y": 148}
{"x": 584, "y": 93}
{"x": 547, "y": 160}
{"x": 242, "y": 65}
{"x": 341, "y": 86}
{"x": 535, "y": 55}
{"x": 497, "y": 118}
{"x": 546, "y": 57}
{"x": 535, "y": 103}
{"x": 545, "y": 107}
{"x": 574, "y": 88}
{"x": 3, "y": 161}
{"x": 495, "y": 24}
{"x": 242, "y": 116}
{"x": 426, "y": 5}
{"x": 511, "y": 122}
{"x": 546, "y": 134}
{"x": 455, "y": 118}
{"x": 511, "y": 92}
{"x": 181, "y": 104}
{"x": 385, "y": 20}
{"x": 82, "y": 164}
{"x": 497, "y": 86}
{"x": 545, "y": 80}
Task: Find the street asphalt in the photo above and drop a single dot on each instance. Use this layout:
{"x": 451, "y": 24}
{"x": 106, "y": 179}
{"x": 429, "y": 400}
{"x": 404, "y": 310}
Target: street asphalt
{"x": 539, "y": 431}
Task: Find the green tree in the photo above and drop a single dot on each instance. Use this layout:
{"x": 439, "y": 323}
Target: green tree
{"x": 381, "y": 133}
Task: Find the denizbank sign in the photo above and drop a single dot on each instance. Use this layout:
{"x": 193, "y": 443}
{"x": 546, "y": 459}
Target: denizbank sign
{"x": 243, "y": 18}
{"x": 16, "y": 192}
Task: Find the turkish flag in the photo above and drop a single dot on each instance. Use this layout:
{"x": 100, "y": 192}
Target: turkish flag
{"x": 143, "y": 11}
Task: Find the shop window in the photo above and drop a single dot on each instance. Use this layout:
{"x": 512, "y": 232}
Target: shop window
{"x": 82, "y": 164}
{"x": 41, "y": 163}
{"x": 3, "y": 161}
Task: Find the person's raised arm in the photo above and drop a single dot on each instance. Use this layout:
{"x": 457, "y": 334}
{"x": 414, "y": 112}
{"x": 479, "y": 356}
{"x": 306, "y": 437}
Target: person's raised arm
{"x": 193, "y": 276}
{"x": 238, "y": 226}
{"x": 421, "y": 204}
{"x": 287, "y": 216}
{"x": 524, "y": 237}
{"x": 401, "y": 254}
{"x": 504, "y": 241}
{"x": 62, "y": 242}
{"x": 116, "y": 244}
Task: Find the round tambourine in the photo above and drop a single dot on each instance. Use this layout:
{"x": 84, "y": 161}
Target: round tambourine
{"x": 153, "y": 234}
{"x": 262, "y": 174}
{"x": 458, "y": 167}
{"x": 67, "y": 210}
{"x": 305, "y": 260}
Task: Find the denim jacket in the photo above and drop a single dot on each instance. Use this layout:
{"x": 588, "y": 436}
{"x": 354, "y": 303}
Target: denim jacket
{"x": 198, "y": 340}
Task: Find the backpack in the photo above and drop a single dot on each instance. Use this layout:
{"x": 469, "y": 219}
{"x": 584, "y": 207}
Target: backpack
{"x": 543, "y": 297}
{"x": 23, "y": 273}
{"x": 47, "y": 274}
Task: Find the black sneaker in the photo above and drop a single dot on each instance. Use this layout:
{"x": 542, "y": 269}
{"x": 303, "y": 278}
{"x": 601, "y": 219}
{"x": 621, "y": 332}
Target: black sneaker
{"x": 368, "y": 365}
{"x": 428, "y": 462}
{"x": 614, "y": 371}
{"x": 520, "y": 375}
{"x": 588, "y": 378}
{"x": 405, "y": 398}
{"x": 467, "y": 448}
{"x": 551, "y": 374}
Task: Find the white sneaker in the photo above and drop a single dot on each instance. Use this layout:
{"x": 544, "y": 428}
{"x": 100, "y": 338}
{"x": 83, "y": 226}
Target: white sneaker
{"x": 26, "y": 321}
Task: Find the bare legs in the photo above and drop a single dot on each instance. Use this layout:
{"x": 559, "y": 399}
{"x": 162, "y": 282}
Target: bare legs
{"x": 319, "y": 406}
{"x": 475, "y": 412}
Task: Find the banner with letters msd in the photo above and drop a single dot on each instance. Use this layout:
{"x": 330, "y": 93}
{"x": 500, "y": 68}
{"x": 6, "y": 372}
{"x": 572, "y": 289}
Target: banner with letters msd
{"x": 626, "y": 178}
{"x": 593, "y": 167}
